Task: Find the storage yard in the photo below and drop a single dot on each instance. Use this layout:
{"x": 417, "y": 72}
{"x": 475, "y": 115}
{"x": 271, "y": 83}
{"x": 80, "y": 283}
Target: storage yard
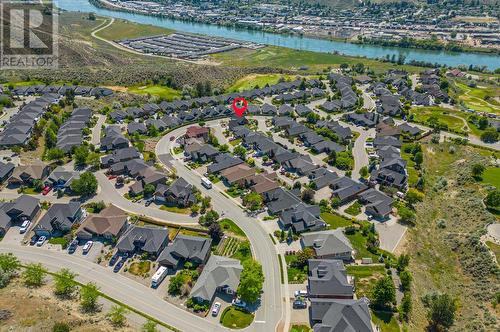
{"x": 184, "y": 46}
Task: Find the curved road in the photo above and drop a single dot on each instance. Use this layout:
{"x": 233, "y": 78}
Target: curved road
{"x": 271, "y": 309}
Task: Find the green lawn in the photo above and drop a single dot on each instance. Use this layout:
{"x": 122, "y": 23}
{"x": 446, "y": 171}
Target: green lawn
{"x": 495, "y": 248}
{"x": 235, "y": 142}
{"x": 300, "y": 328}
{"x": 59, "y": 240}
{"x": 121, "y": 29}
{"x": 364, "y": 271}
{"x": 481, "y": 98}
{"x": 365, "y": 278}
{"x": 280, "y": 57}
{"x": 156, "y": 90}
{"x": 230, "y": 226}
{"x": 175, "y": 209}
{"x": 354, "y": 209}
{"x": 445, "y": 116}
{"x": 295, "y": 275}
{"x": 251, "y": 81}
{"x": 492, "y": 176}
{"x": 335, "y": 221}
{"x": 235, "y": 318}
{"x": 358, "y": 242}
{"x": 410, "y": 166}
{"x": 386, "y": 321}
{"x": 140, "y": 268}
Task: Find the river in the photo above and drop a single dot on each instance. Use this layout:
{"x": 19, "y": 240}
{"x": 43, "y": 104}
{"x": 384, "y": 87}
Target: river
{"x": 452, "y": 59}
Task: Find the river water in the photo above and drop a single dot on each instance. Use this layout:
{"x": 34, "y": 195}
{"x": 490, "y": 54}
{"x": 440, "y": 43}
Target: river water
{"x": 295, "y": 42}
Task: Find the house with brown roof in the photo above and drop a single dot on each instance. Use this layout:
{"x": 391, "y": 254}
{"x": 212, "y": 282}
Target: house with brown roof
{"x": 26, "y": 174}
{"x": 108, "y": 224}
{"x": 197, "y": 132}
{"x": 237, "y": 174}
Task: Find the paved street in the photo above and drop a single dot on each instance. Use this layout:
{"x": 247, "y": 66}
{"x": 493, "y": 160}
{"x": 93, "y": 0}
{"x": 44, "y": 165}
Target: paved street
{"x": 110, "y": 195}
{"x": 270, "y": 311}
{"x": 117, "y": 286}
{"x": 96, "y": 131}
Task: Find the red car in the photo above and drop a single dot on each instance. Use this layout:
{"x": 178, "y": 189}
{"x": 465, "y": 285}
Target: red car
{"x": 111, "y": 177}
{"x": 46, "y": 190}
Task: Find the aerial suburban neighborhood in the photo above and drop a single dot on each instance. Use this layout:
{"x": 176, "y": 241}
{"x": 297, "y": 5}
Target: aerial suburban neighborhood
{"x": 203, "y": 166}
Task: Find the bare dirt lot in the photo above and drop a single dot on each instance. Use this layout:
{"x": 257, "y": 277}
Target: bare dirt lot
{"x": 38, "y": 310}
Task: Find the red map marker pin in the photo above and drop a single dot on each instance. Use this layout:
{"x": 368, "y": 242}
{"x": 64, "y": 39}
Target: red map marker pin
{"x": 240, "y": 105}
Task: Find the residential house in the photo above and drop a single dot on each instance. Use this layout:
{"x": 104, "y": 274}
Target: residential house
{"x": 328, "y": 315}
{"x": 186, "y": 248}
{"x": 6, "y": 170}
{"x": 197, "y": 132}
{"x": 279, "y": 199}
{"x": 220, "y": 274}
{"x": 329, "y": 244}
{"x": 180, "y": 193}
{"x": 24, "y": 207}
{"x": 61, "y": 179}
{"x": 377, "y": 203}
{"x": 26, "y": 174}
{"x": 302, "y": 217}
{"x": 138, "y": 240}
{"x": 237, "y": 174}
{"x": 136, "y": 127}
{"x": 59, "y": 219}
{"x": 328, "y": 279}
{"x": 346, "y": 189}
{"x": 109, "y": 224}
{"x": 222, "y": 162}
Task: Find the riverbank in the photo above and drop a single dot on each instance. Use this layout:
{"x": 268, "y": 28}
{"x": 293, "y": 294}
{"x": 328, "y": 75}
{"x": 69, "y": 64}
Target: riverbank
{"x": 405, "y": 43}
{"x": 450, "y": 59}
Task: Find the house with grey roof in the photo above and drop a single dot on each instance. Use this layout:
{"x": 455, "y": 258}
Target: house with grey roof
{"x": 301, "y": 164}
{"x": 60, "y": 178}
{"x": 279, "y": 199}
{"x": 329, "y": 244}
{"x": 59, "y": 219}
{"x": 346, "y": 189}
{"x": 302, "y": 217}
{"x": 222, "y": 162}
{"x": 138, "y": 240}
{"x": 24, "y": 207}
{"x": 220, "y": 274}
{"x": 328, "y": 279}
{"x": 186, "y": 248}
{"x": 377, "y": 203}
{"x": 179, "y": 193}
{"x": 113, "y": 139}
{"x": 6, "y": 170}
{"x": 332, "y": 315}
{"x": 136, "y": 127}
{"x": 120, "y": 155}
{"x": 322, "y": 177}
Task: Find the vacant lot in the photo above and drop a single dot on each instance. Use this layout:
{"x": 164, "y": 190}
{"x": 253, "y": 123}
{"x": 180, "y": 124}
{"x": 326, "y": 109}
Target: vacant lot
{"x": 484, "y": 98}
{"x": 121, "y": 29}
{"x": 445, "y": 116}
{"x": 492, "y": 176}
{"x": 251, "y": 81}
{"x": 446, "y": 254}
{"x": 38, "y": 309}
{"x": 160, "y": 91}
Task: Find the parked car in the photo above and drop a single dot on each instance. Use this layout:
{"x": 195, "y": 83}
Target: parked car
{"x": 119, "y": 265}
{"x": 41, "y": 241}
{"x": 33, "y": 240}
{"x": 114, "y": 259}
{"x": 149, "y": 201}
{"x": 172, "y": 138}
{"x": 299, "y": 304}
{"x": 216, "y": 309}
{"x": 300, "y": 293}
{"x": 46, "y": 190}
{"x": 72, "y": 246}
{"x": 87, "y": 247}
{"x": 24, "y": 227}
{"x": 239, "y": 303}
{"x": 111, "y": 177}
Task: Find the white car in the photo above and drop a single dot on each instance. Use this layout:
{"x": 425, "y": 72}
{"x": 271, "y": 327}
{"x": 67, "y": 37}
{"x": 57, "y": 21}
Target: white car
{"x": 87, "y": 246}
{"x": 24, "y": 227}
{"x": 216, "y": 309}
{"x": 239, "y": 303}
{"x": 41, "y": 241}
{"x": 300, "y": 293}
